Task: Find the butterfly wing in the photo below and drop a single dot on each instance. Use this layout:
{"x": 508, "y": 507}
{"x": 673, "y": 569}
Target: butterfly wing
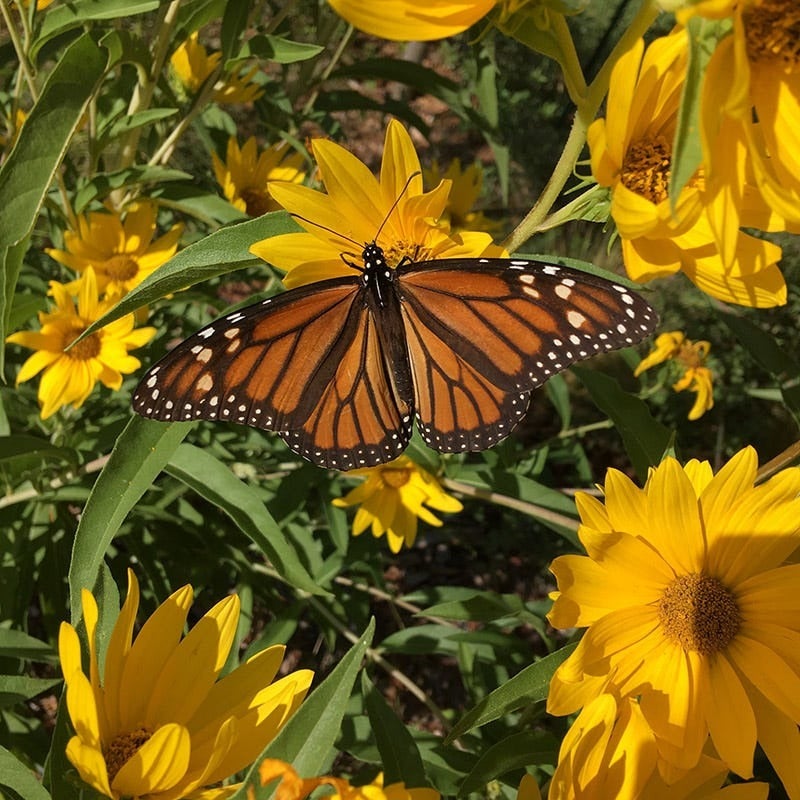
{"x": 306, "y": 364}
{"x": 483, "y": 333}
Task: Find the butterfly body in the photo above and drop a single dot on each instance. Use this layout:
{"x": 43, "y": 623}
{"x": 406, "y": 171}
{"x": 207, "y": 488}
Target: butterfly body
{"x": 340, "y": 368}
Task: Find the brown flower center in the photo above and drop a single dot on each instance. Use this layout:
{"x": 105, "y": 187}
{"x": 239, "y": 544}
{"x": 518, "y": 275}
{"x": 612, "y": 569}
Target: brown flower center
{"x": 772, "y": 31}
{"x": 396, "y": 477}
{"x": 122, "y": 749}
{"x": 399, "y": 250}
{"x": 257, "y": 201}
{"x": 699, "y": 613}
{"x": 85, "y": 349}
{"x": 121, "y": 267}
{"x": 646, "y": 168}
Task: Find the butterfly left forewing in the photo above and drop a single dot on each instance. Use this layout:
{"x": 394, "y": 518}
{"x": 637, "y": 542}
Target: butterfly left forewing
{"x": 503, "y": 327}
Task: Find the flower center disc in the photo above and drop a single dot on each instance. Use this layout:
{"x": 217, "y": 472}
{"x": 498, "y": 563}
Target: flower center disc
{"x": 256, "y": 201}
{"x": 772, "y": 31}
{"x": 122, "y": 748}
{"x": 699, "y": 613}
{"x": 85, "y": 349}
{"x": 646, "y": 168}
{"x": 121, "y": 267}
{"x": 396, "y": 477}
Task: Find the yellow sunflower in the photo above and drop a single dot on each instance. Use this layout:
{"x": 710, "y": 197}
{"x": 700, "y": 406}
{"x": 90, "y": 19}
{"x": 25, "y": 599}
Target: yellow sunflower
{"x": 193, "y": 64}
{"x": 412, "y": 20}
{"x": 157, "y": 725}
{"x": 690, "y": 607}
{"x": 121, "y": 252}
{"x": 465, "y": 191}
{"x": 245, "y": 173}
{"x": 393, "y": 497}
{"x": 691, "y": 358}
{"x": 293, "y": 787}
{"x": 753, "y": 82}
{"x": 70, "y": 375}
{"x": 610, "y": 752}
{"x": 631, "y": 153}
{"x": 357, "y": 209}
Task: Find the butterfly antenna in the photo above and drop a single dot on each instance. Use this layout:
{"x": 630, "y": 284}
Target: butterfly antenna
{"x": 326, "y": 228}
{"x": 394, "y": 205}
{"x": 378, "y": 232}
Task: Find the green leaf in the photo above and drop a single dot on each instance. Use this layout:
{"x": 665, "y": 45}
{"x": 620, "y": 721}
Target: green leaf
{"x": 308, "y": 737}
{"x": 646, "y": 440}
{"x": 18, "y": 644}
{"x": 76, "y": 13}
{"x": 214, "y": 481}
{"x": 9, "y": 275}
{"x": 400, "y": 758}
{"x": 21, "y": 453}
{"x": 220, "y": 252}
{"x": 525, "y": 688}
{"x": 768, "y": 353}
{"x": 103, "y": 183}
{"x": 141, "y": 452}
{"x": 16, "y": 689}
{"x": 476, "y": 606}
{"x": 129, "y": 122}
{"x": 279, "y": 50}
{"x": 513, "y": 752}
{"x": 687, "y": 150}
{"x": 31, "y": 166}
{"x": 20, "y": 778}
{"x": 234, "y": 21}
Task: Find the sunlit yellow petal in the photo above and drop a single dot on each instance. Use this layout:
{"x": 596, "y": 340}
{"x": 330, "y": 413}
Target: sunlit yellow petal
{"x": 158, "y": 765}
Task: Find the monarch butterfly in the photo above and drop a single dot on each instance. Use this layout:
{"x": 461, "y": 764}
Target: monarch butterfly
{"x": 340, "y": 368}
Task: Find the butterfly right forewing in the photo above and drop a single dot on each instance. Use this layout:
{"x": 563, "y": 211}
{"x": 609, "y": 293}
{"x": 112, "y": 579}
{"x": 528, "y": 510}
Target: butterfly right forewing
{"x": 483, "y": 333}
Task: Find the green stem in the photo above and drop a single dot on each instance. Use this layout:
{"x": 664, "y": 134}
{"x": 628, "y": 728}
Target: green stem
{"x": 538, "y": 512}
{"x": 145, "y": 88}
{"x": 25, "y": 66}
{"x": 584, "y": 115}
{"x": 19, "y": 48}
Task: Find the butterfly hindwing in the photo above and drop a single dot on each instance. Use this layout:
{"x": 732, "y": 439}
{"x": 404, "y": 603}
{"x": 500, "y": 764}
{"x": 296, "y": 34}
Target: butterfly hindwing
{"x": 359, "y": 420}
{"x": 483, "y": 334}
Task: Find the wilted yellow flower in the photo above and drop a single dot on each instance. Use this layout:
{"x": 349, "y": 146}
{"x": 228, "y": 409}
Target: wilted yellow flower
{"x": 691, "y": 608}
{"x": 751, "y": 101}
{"x": 121, "y": 252}
{"x": 70, "y": 375}
{"x": 245, "y": 173}
{"x": 465, "y": 191}
{"x": 193, "y": 64}
{"x": 356, "y": 210}
{"x": 392, "y": 497}
{"x": 293, "y": 787}
{"x": 157, "y": 725}
{"x": 40, "y": 4}
{"x": 691, "y": 358}
{"x": 631, "y": 153}
{"x": 610, "y": 752}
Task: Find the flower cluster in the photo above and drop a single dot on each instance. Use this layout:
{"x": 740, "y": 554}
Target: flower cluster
{"x": 111, "y": 253}
{"x": 690, "y": 605}
{"x": 631, "y": 153}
